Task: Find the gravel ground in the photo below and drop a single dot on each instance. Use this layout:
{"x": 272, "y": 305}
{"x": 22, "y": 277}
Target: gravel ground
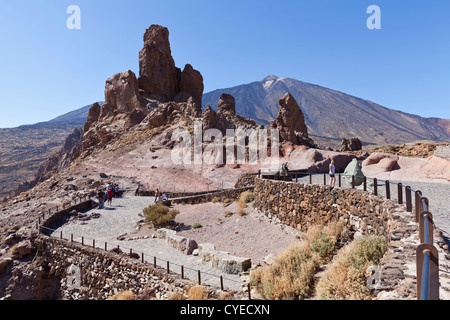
{"x": 106, "y": 225}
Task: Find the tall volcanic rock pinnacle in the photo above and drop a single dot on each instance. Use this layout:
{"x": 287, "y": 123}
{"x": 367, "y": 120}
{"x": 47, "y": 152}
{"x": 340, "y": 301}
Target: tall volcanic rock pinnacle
{"x": 290, "y": 119}
{"x": 162, "y": 92}
{"x": 158, "y": 75}
{"x": 157, "y": 72}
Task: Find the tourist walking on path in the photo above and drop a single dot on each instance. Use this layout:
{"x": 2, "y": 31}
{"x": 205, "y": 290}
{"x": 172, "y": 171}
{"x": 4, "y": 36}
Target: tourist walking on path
{"x": 110, "y": 195}
{"x": 332, "y": 173}
{"x": 101, "y": 199}
{"x": 157, "y": 194}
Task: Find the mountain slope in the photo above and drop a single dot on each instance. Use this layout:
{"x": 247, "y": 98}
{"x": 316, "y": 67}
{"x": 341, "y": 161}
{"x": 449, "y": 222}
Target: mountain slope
{"x": 23, "y": 149}
{"x": 332, "y": 114}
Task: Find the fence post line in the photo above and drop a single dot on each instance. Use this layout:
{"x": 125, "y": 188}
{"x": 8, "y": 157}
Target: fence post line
{"x": 324, "y": 179}
{"x": 168, "y": 270}
{"x": 400, "y": 193}
{"x": 71, "y": 237}
{"x": 93, "y": 243}
{"x": 199, "y": 277}
{"x": 353, "y": 181}
{"x": 365, "y": 183}
{"x": 310, "y": 178}
{"x": 221, "y": 283}
{"x": 408, "y": 199}
{"x": 154, "y": 262}
{"x": 249, "y": 292}
{"x": 375, "y": 186}
{"x": 388, "y": 189}
{"x": 417, "y": 204}
{"x": 182, "y": 272}
{"x": 106, "y": 246}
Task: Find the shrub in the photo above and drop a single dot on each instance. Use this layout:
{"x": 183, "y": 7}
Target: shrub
{"x": 123, "y": 295}
{"x": 247, "y": 196}
{"x": 227, "y": 202}
{"x": 323, "y": 239}
{"x": 196, "y": 225}
{"x": 346, "y": 277}
{"x": 159, "y": 215}
{"x": 197, "y": 293}
{"x": 215, "y": 199}
{"x": 228, "y": 213}
{"x": 289, "y": 276}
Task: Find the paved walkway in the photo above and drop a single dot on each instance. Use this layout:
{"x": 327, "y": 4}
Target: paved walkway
{"x": 120, "y": 218}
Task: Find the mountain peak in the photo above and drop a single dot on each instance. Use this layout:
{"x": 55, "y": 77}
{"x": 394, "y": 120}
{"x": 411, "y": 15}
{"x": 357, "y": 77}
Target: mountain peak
{"x": 270, "y": 78}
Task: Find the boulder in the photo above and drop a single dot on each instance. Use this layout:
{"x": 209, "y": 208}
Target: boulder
{"x": 353, "y": 144}
{"x": 24, "y": 248}
{"x": 379, "y": 162}
{"x": 353, "y": 169}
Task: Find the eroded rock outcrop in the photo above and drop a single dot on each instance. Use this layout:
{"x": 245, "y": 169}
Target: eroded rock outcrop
{"x": 353, "y": 144}
{"x": 291, "y": 122}
{"x": 163, "y": 94}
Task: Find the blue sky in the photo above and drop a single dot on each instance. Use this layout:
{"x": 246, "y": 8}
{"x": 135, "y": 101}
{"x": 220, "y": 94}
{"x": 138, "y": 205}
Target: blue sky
{"x": 48, "y": 70}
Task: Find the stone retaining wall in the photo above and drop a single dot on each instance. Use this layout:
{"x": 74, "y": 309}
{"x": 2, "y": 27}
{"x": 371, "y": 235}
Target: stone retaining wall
{"x": 216, "y": 259}
{"x": 103, "y": 274}
{"x": 301, "y": 205}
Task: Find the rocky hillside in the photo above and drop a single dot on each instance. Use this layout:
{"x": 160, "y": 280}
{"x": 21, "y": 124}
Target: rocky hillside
{"x": 331, "y": 115}
{"x": 24, "y": 149}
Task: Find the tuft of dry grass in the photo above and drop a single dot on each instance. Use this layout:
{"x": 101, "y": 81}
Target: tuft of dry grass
{"x": 123, "y": 295}
{"x": 197, "y": 293}
{"x": 346, "y": 277}
{"x": 289, "y": 276}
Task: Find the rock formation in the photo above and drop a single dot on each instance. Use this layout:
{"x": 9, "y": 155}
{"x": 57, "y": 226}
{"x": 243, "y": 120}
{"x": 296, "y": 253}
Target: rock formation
{"x": 353, "y": 144}
{"x": 163, "y": 94}
{"x": 291, "y": 122}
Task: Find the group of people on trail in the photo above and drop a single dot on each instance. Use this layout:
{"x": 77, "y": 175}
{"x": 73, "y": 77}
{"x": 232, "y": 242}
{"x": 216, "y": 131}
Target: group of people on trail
{"x": 160, "y": 196}
{"x": 111, "y": 191}
{"x": 284, "y": 168}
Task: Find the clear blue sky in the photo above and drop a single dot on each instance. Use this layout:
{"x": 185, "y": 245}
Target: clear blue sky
{"x": 48, "y": 70}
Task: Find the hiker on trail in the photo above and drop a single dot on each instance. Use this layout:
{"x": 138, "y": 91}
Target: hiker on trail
{"x": 116, "y": 191}
{"x": 157, "y": 195}
{"x": 110, "y": 195}
{"x": 286, "y": 169}
{"x": 101, "y": 199}
{"x": 332, "y": 172}
{"x": 282, "y": 168}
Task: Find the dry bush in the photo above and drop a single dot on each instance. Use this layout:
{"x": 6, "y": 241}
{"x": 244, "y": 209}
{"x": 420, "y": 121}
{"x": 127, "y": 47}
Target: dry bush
{"x": 197, "y": 293}
{"x": 177, "y": 296}
{"x": 123, "y": 295}
{"x": 228, "y": 213}
{"x": 346, "y": 277}
{"x": 323, "y": 239}
{"x": 289, "y": 276}
{"x": 159, "y": 215}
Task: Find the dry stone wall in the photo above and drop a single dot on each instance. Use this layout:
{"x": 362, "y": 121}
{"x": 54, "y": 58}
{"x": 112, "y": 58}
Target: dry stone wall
{"x": 88, "y": 273}
{"x": 302, "y": 205}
